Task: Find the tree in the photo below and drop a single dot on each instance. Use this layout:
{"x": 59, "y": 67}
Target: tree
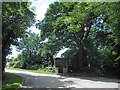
{"x": 87, "y": 27}
{"x": 16, "y": 18}
{"x": 35, "y": 53}
{"x": 69, "y": 26}
{"x": 29, "y": 46}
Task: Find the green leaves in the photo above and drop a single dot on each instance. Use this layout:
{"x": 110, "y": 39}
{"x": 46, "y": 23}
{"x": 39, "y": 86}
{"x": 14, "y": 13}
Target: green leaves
{"x": 90, "y": 30}
{"x": 16, "y": 18}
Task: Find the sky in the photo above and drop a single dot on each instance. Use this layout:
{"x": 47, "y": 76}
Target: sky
{"x": 40, "y": 10}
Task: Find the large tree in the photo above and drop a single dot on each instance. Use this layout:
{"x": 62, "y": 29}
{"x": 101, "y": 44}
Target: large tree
{"x": 16, "y": 18}
{"x": 70, "y": 23}
{"x": 87, "y": 27}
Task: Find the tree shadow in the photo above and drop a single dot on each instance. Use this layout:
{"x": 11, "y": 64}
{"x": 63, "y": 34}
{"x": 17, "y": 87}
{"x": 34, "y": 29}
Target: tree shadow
{"x": 93, "y": 78}
{"x": 39, "y": 81}
{"x": 55, "y": 82}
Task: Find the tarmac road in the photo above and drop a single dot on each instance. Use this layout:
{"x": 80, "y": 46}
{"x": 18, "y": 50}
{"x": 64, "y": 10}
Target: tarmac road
{"x": 34, "y": 80}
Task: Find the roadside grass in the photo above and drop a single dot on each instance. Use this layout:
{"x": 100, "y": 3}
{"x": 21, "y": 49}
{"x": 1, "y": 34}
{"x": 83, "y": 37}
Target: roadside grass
{"x": 11, "y": 81}
{"x": 80, "y": 74}
{"x": 41, "y": 71}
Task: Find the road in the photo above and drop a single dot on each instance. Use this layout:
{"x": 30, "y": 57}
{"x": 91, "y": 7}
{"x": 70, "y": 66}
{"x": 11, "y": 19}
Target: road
{"x": 34, "y": 80}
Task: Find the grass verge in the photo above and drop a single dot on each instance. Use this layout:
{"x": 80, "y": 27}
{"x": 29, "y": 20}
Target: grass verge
{"x": 11, "y": 81}
{"x": 42, "y": 71}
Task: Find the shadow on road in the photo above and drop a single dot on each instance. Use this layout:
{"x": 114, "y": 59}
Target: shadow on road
{"x": 93, "y": 78}
{"x": 37, "y": 81}
{"x": 54, "y": 82}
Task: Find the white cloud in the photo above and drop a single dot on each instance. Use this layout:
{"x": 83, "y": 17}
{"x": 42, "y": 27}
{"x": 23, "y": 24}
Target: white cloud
{"x": 14, "y": 52}
{"x": 41, "y": 7}
{"x": 61, "y": 52}
{"x": 41, "y": 10}
{"x": 34, "y": 30}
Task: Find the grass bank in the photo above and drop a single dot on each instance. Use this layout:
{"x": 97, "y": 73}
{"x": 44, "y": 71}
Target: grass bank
{"x": 11, "y": 81}
{"x": 42, "y": 71}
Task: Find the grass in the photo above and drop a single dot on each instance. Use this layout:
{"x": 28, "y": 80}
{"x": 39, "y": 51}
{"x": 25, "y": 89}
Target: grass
{"x": 41, "y": 71}
{"x": 11, "y": 81}
{"x": 45, "y": 71}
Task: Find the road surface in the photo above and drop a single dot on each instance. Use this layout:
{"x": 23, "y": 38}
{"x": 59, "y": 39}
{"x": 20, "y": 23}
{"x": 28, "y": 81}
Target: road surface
{"x": 34, "y": 80}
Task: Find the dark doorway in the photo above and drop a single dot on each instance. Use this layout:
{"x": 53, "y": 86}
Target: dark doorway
{"x": 60, "y": 70}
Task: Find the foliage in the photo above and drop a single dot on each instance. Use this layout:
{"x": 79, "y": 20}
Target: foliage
{"x": 34, "y": 53}
{"x": 16, "y": 18}
{"x": 92, "y": 29}
{"x": 43, "y": 71}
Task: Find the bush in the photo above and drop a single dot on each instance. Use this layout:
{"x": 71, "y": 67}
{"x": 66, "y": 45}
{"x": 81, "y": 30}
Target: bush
{"x": 11, "y": 63}
{"x": 18, "y": 64}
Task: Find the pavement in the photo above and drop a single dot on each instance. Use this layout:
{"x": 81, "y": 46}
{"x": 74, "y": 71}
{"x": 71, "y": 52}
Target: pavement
{"x": 35, "y": 80}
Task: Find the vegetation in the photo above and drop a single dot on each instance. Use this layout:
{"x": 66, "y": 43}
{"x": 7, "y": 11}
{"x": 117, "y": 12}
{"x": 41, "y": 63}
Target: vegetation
{"x": 89, "y": 29}
{"x": 11, "y": 81}
{"x": 41, "y": 71}
{"x": 16, "y": 18}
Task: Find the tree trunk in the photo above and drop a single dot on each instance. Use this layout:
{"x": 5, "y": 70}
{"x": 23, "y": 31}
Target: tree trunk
{"x": 3, "y": 65}
{"x": 80, "y": 57}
